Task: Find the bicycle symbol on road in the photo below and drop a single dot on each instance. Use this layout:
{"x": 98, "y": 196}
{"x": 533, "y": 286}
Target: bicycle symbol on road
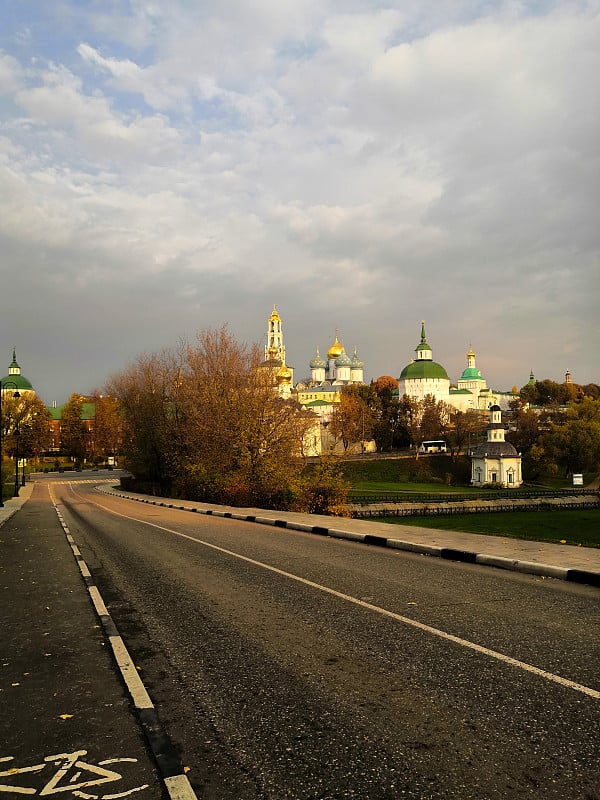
{"x": 71, "y": 775}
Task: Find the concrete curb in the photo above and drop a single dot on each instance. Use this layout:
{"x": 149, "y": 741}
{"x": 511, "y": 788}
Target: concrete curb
{"x": 586, "y": 577}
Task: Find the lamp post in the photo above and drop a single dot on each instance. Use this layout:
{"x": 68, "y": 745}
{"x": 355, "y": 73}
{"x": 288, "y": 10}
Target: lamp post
{"x": 16, "y": 395}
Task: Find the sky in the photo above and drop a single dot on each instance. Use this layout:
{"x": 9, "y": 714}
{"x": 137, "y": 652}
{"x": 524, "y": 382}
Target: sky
{"x": 172, "y": 166}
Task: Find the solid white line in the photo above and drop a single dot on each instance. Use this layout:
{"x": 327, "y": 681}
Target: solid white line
{"x": 377, "y": 609}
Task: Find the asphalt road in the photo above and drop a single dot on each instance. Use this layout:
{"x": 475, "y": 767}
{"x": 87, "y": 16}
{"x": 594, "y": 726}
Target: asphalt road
{"x": 285, "y": 665}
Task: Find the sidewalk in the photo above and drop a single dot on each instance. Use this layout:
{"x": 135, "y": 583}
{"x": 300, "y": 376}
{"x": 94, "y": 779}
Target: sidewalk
{"x": 65, "y": 716}
{"x": 565, "y": 562}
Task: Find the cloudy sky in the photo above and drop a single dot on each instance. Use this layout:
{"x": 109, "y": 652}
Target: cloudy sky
{"x": 172, "y": 165}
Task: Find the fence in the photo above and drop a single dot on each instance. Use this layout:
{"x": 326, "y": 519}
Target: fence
{"x": 369, "y": 498}
{"x": 471, "y": 507}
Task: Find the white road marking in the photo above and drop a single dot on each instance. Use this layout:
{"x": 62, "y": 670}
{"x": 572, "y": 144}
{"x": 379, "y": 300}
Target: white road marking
{"x": 549, "y": 676}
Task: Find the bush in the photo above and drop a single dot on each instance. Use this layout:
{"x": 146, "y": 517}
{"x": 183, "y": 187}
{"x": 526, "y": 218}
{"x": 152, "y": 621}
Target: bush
{"x": 322, "y": 489}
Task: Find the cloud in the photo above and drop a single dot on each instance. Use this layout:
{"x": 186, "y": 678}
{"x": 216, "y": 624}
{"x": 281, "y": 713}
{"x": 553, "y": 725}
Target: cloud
{"x": 11, "y": 74}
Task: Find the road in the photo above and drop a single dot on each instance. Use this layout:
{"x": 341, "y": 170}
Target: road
{"x": 285, "y": 665}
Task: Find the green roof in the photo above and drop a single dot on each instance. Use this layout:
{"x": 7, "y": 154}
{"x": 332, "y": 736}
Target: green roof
{"x": 88, "y": 411}
{"x": 15, "y": 382}
{"x": 14, "y": 377}
{"x": 423, "y": 369}
{"x": 471, "y": 374}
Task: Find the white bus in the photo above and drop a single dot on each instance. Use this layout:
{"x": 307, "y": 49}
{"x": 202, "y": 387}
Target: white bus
{"x": 433, "y": 446}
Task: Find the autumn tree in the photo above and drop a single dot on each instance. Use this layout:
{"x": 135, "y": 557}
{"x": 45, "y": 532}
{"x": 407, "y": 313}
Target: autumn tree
{"x": 28, "y": 419}
{"x": 148, "y": 393}
{"x": 74, "y": 436}
{"x": 204, "y": 420}
{"x": 352, "y": 419}
{"x": 108, "y": 426}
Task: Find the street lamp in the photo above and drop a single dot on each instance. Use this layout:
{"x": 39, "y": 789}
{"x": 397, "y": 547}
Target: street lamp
{"x": 16, "y": 395}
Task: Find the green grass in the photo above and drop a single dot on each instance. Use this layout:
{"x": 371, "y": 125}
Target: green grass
{"x": 570, "y": 527}
{"x": 409, "y": 486}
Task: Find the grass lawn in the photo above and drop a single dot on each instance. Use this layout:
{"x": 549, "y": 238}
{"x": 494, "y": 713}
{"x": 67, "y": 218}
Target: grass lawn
{"x": 409, "y": 486}
{"x": 571, "y": 527}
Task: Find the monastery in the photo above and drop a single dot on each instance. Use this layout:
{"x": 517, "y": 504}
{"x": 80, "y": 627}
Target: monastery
{"x": 420, "y": 377}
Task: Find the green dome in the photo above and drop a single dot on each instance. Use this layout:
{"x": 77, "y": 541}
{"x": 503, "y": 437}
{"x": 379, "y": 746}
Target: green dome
{"x": 471, "y": 374}
{"x": 317, "y": 362}
{"x": 423, "y": 369}
{"x": 15, "y": 382}
{"x": 343, "y": 360}
{"x": 14, "y": 379}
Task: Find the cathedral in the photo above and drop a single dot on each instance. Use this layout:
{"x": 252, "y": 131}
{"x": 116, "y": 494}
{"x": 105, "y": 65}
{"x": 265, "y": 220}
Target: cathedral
{"x": 326, "y": 377}
{"x": 423, "y": 376}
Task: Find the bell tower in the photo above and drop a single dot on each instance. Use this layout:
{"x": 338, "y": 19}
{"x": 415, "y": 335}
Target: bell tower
{"x": 274, "y": 348}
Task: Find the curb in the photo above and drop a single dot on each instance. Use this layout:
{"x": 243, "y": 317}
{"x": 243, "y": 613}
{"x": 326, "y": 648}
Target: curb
{"x": 580, "y": 576}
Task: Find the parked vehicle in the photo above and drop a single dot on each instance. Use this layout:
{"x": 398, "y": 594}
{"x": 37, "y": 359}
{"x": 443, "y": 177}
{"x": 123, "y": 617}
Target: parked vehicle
{"x": 433, "y": 446}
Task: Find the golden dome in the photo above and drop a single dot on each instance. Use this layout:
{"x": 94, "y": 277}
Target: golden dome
{"x": 275, "y": 314}
{"x": 284, "y": 374}
{"x": 335, "y": 350}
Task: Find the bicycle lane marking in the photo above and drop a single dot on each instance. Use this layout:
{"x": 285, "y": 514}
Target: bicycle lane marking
{"x": 465, "y": 643}
{"x": 60, "y": 782}
{"x": 167, "y": 760}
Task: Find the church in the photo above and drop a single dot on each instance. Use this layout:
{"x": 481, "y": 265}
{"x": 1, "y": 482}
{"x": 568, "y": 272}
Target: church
{"x": 423, "y": 376}
{"x": 496, "y": 462}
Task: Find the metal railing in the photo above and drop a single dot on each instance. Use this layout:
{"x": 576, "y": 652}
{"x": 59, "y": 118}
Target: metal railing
{"x": 368, "y": 498}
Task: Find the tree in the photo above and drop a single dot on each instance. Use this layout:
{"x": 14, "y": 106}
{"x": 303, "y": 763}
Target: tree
{"x": 386, "y": 423}
{"x": 462, "y": 427}
{"x": 29, "y": 417}
{"x": 409, "y": 420}
{"x": 385, "y": 383}
{"x": 524, "y": 427}
{"x": 148, "y": 394}
{"x": 74, "y": 437}
{"x": 574, "y": 444}
{"x": 204, "y": 420}
{"x": 108, "y": 426}
{"x": 352, "y": 419}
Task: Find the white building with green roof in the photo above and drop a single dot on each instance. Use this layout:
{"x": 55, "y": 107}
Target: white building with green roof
{"x": 423, "y": 375}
